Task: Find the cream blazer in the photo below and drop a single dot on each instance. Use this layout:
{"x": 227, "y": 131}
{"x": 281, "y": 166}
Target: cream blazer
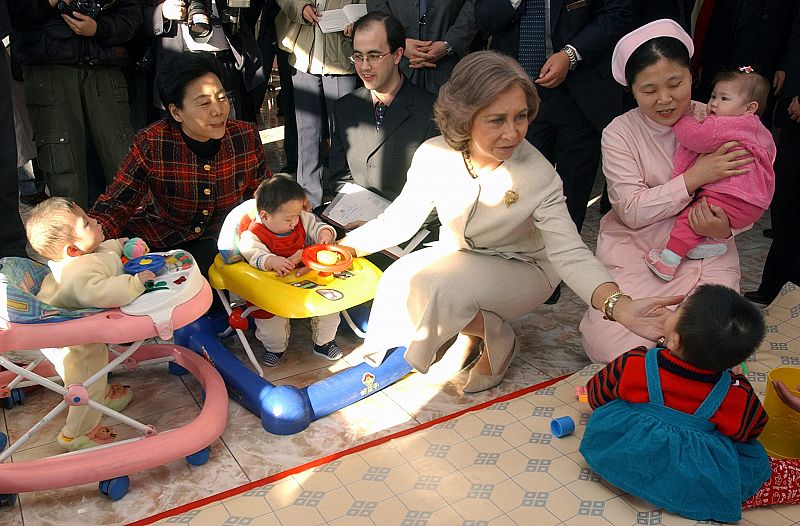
{"x": 297, "y": 37}
{"x": 522, "y": 215}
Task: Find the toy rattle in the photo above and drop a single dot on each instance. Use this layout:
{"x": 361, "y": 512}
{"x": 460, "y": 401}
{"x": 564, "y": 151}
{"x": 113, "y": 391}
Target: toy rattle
{"x": 133, "y": 248}
{"x": 152, "y": 262}
{"x": 326, "y": 259}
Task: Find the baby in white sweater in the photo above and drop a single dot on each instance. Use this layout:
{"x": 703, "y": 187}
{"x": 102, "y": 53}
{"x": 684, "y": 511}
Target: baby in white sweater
{"x": 86, "y": 272}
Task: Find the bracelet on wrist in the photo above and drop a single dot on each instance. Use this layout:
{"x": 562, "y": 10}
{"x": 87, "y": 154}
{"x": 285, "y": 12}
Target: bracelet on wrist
{"x": 610, "y": 303}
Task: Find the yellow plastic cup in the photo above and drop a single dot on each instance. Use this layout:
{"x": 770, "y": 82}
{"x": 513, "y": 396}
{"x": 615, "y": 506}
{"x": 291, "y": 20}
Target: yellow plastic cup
{"x": 781, "y": 436}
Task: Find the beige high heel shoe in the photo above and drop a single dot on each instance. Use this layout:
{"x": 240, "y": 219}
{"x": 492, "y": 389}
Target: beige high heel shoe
{"x": 460, "y": 354}
{"x": 478, "y": 382}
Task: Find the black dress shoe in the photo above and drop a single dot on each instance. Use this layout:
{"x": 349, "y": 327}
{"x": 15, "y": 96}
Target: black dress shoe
{"x": 553, "y": 299}
{"x": 769, "y": 233}
{"x": 757, "y": 297}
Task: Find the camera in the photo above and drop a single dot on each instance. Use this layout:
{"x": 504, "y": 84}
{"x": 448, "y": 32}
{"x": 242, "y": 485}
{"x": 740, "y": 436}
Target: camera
{"x": 198, "y": 18}
{"x": 90, "y": 8}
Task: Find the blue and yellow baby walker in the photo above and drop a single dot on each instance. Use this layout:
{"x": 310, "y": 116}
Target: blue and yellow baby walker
{"x": 330, "y": 287}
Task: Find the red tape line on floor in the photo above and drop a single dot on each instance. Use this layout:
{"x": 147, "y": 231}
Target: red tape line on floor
{"x": 335, "y": 456}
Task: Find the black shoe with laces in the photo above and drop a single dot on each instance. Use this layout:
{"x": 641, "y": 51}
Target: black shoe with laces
{"x": 329, "y": 351}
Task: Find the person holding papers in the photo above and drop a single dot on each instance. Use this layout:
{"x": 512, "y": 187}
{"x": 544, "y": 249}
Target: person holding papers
{"x": 323, "y": 73}
{"x": 377, "y": 128}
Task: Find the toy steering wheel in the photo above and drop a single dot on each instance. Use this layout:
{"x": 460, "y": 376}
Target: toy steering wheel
{"x": 311, "y": 254}
{"x": 152, "y": 262}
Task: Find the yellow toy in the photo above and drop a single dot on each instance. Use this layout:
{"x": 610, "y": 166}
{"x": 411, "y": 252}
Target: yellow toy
{"x": 779, "y": 437}
{"x": 336, "y": 282}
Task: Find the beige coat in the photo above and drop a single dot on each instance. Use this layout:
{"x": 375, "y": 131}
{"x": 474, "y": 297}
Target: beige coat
{"x": 297, "y": 37}
{"x": 506, "y": 241}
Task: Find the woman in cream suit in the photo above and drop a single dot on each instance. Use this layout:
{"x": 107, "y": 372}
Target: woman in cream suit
{"x": 506, "y": 238}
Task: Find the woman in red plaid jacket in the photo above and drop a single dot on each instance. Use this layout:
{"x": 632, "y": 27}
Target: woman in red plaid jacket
{"x": 184, "y": 173}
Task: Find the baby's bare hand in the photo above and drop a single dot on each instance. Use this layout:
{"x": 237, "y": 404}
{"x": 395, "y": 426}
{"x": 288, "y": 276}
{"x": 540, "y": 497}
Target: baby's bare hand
{"x": 145, "y": 276}
{"x": 281, "y": 266}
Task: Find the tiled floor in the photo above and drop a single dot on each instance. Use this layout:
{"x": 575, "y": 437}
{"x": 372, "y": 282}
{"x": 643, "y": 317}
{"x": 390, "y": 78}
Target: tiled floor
{"x": 245, "y": 453}
{"x": 550, "y": 347}
{"x": 496, "y": 466}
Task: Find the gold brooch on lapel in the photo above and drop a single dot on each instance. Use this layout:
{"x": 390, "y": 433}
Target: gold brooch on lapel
{"x": 510, "y": 198}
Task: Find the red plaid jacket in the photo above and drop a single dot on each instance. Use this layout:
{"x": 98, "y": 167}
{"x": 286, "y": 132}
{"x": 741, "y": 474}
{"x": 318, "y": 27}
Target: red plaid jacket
{"x": 164, "y": 194}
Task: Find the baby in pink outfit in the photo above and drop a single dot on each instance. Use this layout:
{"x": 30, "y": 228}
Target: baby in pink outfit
{"x": 738, "y": 98}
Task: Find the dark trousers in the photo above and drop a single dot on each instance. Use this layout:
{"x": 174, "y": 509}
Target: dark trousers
{"x": 783, "y": 260}
{"x": 69, "y": 108}
{"x": 569, "y": 141}
{"x": 269, "y": 51}
{"x": 12, "y": 233}
{"x": 314, "y": 96}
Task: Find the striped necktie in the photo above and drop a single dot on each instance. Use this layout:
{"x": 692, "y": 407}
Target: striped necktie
{"x": 532, "y": 35}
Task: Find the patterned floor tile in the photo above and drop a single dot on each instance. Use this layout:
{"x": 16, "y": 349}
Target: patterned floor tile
{"x": 498, "y": 466}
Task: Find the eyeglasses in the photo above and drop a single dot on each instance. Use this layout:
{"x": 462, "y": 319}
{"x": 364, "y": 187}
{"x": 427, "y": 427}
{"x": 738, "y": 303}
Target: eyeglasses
{"x": 370, "y": 58}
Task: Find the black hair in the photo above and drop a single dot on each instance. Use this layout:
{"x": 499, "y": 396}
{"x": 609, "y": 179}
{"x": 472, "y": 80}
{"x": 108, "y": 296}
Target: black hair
{"x": 651, "y": 52}
{"x": 277, "y": 191}
{"x": 395, "y": 33}
{"x": 755, "y": 86}
{"x": 180, "y": 69}
{"x": 718, "y": 328}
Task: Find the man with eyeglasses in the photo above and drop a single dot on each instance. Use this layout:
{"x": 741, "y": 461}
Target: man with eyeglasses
{"x": 438, "y": 34}
{"x": 377, "y": 128}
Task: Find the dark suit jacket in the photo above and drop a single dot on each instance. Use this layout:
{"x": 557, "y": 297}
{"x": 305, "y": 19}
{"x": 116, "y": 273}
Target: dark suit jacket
{"x": 757, "y": 36}
{"x": 449, "y": 20}
{"x": 5, "y": 20}
{"x": 791, "y": 87}
{"x": 677, "y": 10}
{"x": 592, "y": 29}
{"x": 379, "y": 160}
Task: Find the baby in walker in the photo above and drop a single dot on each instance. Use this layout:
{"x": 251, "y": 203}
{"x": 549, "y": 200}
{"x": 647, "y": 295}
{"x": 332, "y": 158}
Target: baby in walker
{"x": 674, "y": 425}
{"x": 86, "y": 271}
{"x": 737, "y": 99}
{"x": 274, "y": 241}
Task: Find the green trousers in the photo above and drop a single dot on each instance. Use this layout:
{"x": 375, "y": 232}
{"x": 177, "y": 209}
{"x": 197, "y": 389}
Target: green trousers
{"x": 68, "y": 107}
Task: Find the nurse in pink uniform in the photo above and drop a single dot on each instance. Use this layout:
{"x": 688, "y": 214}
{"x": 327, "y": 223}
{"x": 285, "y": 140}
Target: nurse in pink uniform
{"x": 638, "y": 151}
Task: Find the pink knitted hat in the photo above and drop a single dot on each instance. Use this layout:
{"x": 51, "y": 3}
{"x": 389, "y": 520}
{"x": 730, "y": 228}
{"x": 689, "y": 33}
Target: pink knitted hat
{"x": 630, "y": 42}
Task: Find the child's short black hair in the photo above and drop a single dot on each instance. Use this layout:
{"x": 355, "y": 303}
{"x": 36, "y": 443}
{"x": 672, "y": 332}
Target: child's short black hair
{"x": 718, "y": 328}
{"x": 276, "y": 191}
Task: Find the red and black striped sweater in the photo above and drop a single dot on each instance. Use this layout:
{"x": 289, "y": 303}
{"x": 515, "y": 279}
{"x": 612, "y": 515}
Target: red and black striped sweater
{"x": 741, "y": 416}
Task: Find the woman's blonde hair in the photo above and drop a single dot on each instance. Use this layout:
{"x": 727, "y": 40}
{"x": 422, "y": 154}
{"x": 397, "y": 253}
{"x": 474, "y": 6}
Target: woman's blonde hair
{"x": 475, "y": 82}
